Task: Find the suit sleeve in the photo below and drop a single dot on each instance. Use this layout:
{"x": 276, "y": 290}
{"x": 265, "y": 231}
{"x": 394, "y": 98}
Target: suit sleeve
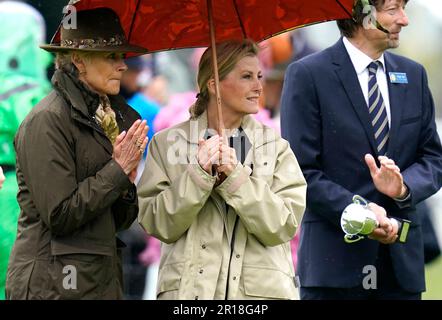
{"x": 301, "y": 126}
{"x": 424, "y": 176}
{"x": 47, "y": 161}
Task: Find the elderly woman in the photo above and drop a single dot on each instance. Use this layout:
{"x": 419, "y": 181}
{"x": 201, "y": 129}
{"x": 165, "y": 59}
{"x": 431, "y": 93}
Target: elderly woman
{"x": 225, "y": 225}
{"x": 77, "y": 154}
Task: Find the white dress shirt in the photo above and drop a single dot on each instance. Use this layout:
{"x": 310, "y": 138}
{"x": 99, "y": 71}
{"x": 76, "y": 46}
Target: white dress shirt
{"x": 360, "y": 62}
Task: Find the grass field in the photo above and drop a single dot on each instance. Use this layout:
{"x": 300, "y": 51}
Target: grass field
{"x": 433, "y": 273}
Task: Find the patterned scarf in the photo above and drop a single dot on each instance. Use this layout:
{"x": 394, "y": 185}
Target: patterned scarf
{"x": 98, "y": 107}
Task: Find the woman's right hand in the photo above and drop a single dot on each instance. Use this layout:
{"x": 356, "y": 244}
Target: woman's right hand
{"x": 208, "y": 153}
{"x": 129, "y": 146}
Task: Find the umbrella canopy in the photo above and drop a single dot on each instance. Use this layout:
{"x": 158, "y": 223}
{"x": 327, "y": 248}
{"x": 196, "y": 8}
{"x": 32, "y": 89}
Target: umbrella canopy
{"x": 159, "y": 25}
{"x": 164, "y": 25}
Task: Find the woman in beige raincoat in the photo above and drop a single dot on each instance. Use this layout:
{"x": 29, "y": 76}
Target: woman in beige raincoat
{"x": 225, "y": 228}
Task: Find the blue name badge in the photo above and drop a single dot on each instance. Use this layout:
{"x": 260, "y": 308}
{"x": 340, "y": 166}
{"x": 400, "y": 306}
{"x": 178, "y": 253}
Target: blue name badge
{"x": 398, "y": 77}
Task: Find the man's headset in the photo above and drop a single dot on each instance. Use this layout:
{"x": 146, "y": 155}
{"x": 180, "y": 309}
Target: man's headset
{"x": 366, "y": 4}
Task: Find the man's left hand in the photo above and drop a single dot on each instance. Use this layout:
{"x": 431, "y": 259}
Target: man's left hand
{"x": 2, "y": 177}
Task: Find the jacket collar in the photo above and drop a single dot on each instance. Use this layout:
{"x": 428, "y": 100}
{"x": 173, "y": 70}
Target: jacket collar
{"x": 350, "y": 82}
{"x": 257, "y": 133}
{"x": 84, "y": 102}
{"x": 358, "y": 58}
{"x": 75, "y": 93}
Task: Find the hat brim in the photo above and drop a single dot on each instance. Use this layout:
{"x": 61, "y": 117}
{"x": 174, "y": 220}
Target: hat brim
{"x": 129, "y": 49}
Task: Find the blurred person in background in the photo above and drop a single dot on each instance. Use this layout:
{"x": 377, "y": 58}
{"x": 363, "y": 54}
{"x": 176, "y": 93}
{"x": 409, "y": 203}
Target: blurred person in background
{"x": 150, "y": 258}
{"x": 279, "y": 52}
{"x": 176, "y": 67}
{"x": 133, "y": 88}
{"x": 77, "y": 156}
{"x": 431, "y": 243}
{"x": 137, "y": 77}
{"x": 23, "y": 84}
{"x": 225, "y": 230}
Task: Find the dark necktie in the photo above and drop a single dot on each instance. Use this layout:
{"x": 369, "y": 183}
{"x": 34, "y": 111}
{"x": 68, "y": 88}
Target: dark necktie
{"x": 377, "y": 110}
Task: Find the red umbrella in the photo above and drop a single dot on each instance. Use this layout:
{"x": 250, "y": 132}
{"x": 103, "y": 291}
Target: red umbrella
{"x": 174, "y": 24}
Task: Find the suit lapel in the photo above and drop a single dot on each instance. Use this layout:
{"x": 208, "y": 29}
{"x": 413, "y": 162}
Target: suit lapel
{"x": 396, "y": 93}
{"x": 349, "y": 79}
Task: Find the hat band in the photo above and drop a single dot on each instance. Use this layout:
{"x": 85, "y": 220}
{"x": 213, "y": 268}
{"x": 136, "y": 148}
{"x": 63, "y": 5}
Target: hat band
{"x": 116, "y": 40}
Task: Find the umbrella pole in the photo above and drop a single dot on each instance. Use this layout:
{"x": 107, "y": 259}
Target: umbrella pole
{"x": 215, "y": 69}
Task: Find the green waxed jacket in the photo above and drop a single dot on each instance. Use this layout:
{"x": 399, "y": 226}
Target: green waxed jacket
{"x": 23, "y": 84}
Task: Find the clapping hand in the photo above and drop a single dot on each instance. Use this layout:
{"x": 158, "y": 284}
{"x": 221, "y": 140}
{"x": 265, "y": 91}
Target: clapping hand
{"x": 388, "y": 178}
{"x": 129, "y": 148}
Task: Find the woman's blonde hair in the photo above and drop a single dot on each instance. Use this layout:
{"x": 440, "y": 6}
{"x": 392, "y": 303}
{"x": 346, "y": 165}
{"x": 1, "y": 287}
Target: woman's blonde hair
{"x": 228, "y": 54}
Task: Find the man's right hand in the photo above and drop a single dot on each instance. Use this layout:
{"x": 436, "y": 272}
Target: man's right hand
{"x": 386, "y": 232}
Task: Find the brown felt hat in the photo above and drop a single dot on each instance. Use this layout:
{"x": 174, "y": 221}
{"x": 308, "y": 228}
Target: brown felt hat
{"x": 97, "y": 30}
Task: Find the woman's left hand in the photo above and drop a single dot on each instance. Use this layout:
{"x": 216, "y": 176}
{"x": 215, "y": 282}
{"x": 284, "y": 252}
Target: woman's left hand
{"x": 228, "y": 160}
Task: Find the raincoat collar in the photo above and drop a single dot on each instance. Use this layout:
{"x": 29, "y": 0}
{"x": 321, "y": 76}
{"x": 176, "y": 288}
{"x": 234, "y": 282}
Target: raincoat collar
{"x": 256, "y": 132}
{"x": 73, "y": 90}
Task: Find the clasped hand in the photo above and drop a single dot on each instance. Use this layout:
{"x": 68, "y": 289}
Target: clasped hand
{"x": 215, "y": 153}
{"x": 129, "y": 148}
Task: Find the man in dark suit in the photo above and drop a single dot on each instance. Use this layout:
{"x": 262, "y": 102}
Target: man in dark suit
{"x": 361, "y": 121}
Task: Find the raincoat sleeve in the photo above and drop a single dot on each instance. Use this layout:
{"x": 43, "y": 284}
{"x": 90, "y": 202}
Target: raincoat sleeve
{"x": 270, "y": 212}
{"x": 47, "y": 161}
{"x": 168, "y": 208}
